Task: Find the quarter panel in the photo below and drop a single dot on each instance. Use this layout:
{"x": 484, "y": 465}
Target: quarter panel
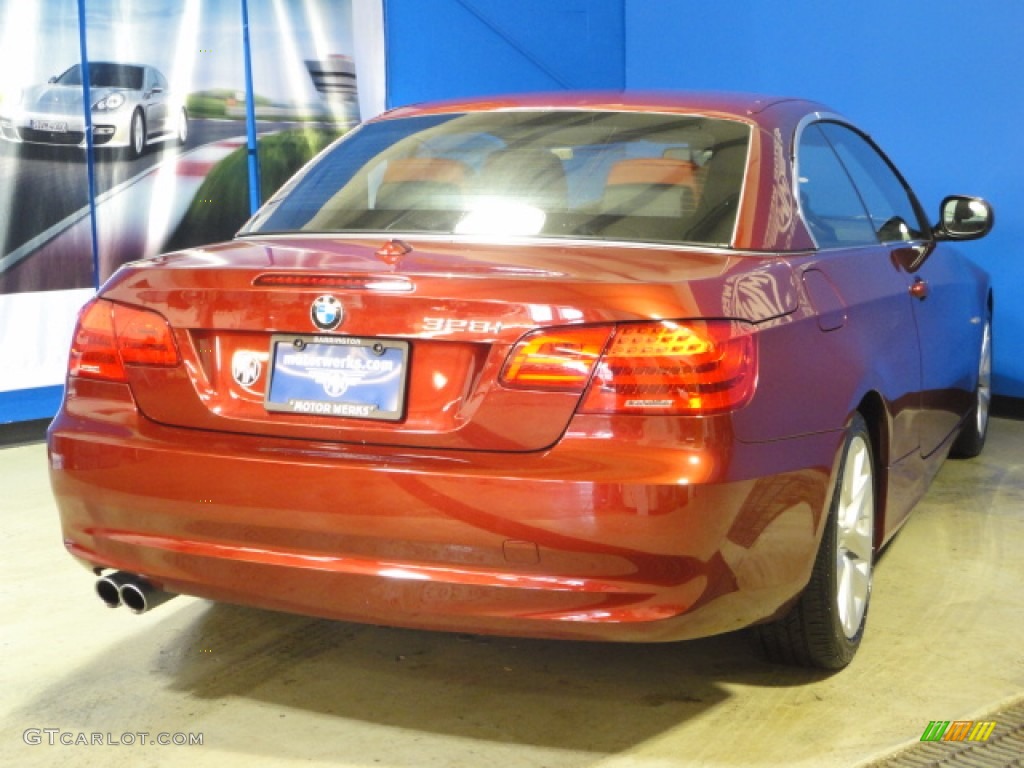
{"x": 817, "y": 364}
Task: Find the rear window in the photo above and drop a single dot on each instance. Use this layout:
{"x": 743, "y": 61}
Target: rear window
{"x": 573, "y": 174}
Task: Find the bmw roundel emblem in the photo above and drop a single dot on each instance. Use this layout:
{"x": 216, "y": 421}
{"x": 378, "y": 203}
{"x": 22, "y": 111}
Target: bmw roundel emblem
{"x": 245, "y": 368}
{"x": 326, "y": 313}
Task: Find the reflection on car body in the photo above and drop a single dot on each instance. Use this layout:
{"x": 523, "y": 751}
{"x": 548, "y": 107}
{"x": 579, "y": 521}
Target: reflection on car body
{"x": 132, "y": 107}
{"x": 659, "y": 367}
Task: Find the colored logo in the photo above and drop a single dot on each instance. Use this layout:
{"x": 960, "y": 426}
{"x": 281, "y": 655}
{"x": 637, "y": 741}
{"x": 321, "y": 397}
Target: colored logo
{"x": 245, "y": 368}
{"x": 326, "y": 313}
{"x": 958, "y": 730}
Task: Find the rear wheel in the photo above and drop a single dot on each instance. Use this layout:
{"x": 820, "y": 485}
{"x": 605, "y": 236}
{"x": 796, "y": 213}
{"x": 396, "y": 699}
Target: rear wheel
{"x": 971, "y": 439}
{"x": 824, "y": 628}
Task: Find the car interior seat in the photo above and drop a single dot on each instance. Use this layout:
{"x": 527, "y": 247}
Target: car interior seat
{"x": 422, "y": 183}
{"x": 649, "y": 197}
{"x": 534, "y": 177}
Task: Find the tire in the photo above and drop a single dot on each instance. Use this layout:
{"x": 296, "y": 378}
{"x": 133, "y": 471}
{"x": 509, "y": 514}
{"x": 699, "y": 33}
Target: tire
{"x": 971, "y": 440}
{"x": 137, "y": 136}
{"x": 824, "y": 627}
{"x": 182, "y": 136}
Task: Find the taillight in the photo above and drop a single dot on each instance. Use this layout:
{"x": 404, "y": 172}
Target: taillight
{"x": 93, "y": 349}
{"x": 144, "y": 337}
{"x": 109, "y": 336}
{"x": 561, "y": 359}
{"x": 686, "y": 368}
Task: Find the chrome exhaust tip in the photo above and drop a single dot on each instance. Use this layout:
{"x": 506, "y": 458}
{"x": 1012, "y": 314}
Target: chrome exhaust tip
{"x": 109, "y": 587}
{"x": 141, "y": 596}
{"x": 124, "y": 588}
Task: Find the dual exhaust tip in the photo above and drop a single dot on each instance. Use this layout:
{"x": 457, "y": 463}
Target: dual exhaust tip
{"x": 123, "y": 588}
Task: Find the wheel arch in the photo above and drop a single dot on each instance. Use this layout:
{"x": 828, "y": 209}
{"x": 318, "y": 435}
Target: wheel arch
{"x": 876, "y": 416}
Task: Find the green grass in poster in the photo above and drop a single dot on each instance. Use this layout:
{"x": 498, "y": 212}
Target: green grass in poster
{"x": 221, "y": 205}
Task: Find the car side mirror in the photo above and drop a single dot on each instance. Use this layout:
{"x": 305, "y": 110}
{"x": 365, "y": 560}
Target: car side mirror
{"x": 964, "y": 218}
{"x": 52, "y": 79}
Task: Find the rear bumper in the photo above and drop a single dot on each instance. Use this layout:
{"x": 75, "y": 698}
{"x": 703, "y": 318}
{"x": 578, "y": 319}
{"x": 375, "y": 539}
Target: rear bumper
{"x": 630, "y": 536}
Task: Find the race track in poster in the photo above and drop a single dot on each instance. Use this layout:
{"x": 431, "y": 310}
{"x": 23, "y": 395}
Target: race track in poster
{"x": 45, "y": 203}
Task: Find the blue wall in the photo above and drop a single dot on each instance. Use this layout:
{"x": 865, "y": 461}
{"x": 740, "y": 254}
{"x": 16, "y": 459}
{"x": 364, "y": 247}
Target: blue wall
{"x": 440, "y": 49}
{"x": 30, "y": 404}
{"x": 937, "y": 83}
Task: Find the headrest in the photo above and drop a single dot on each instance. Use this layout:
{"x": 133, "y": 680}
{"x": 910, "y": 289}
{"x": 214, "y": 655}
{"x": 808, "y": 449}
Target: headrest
{"x": 435, "y": 169}
{"x": 653, "y": 170}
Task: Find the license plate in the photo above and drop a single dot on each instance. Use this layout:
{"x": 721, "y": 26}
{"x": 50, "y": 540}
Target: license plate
{"x": 49, "y": 125}
{"x": 338, "y": 376}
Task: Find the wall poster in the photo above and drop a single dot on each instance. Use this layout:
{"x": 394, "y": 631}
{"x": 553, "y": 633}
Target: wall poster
{"x": 167, "y": 106}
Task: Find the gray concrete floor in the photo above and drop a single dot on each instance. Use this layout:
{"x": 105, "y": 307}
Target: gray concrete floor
{"x": 267, "y": 689}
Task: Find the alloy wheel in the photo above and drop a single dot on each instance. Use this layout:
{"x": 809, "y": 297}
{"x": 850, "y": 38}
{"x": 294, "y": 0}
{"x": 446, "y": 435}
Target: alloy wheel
{"x": 138, "y": 138}
{"x": 855, "y": 515}
{"x": 984, "y": 381}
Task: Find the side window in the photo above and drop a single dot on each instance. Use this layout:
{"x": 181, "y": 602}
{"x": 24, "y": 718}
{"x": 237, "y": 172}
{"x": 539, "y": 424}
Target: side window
{"x": 890, "y": 205}
{"x": 831, "y": 206}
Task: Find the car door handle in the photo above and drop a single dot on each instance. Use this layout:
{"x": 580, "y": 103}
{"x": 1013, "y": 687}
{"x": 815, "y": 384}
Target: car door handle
{"x": 919, "y": 290}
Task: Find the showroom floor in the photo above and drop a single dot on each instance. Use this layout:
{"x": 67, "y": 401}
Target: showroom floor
{"x": 266, "y": 689}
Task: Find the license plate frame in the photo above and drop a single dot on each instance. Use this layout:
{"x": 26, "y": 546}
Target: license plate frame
{"x": 338, "y": 376}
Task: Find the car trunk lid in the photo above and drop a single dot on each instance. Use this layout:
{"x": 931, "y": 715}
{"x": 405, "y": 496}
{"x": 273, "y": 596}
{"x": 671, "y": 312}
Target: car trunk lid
{"x": 444, "y": 315}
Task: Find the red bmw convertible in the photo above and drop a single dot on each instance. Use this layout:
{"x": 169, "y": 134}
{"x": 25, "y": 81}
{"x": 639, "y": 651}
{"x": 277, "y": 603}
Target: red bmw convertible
{"x": 604, "y": 366}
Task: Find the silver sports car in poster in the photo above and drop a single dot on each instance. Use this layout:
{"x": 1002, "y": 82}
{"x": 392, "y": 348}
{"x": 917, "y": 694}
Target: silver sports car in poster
{"x": 132, "y": 107}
